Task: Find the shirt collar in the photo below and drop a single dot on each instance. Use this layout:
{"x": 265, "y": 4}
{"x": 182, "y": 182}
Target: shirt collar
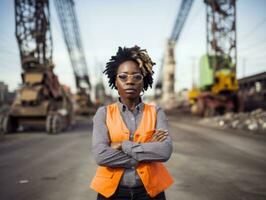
{"x": 123, "y": 107}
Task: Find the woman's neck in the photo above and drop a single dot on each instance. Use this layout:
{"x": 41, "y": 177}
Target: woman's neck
{"x": 130, "y": 103}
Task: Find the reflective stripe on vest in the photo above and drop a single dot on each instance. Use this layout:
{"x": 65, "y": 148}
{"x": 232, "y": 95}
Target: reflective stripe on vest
{"x": 154, "y": 175}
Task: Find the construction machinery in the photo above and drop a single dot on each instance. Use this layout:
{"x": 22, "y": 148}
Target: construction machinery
{"x": 40, "y": 100}
{"x": 218, "y": 83}
{"x": 167, "y": 81}
{"x": 71, "y": 32}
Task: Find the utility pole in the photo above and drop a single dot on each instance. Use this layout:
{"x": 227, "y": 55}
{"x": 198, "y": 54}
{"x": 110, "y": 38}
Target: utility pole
{"x": 193, "y": 70}
{"x": 244, "y": 66}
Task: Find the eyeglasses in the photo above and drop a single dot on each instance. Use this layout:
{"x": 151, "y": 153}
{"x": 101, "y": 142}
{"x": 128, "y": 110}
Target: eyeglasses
{"x": 137, "y": 78}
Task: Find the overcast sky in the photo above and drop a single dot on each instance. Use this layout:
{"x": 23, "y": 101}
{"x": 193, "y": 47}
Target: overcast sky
{"x": 107, "y": 24}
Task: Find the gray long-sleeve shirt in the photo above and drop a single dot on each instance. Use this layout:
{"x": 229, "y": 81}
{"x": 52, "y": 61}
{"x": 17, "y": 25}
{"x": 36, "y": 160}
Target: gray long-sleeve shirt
{"x": 132, "y": 153}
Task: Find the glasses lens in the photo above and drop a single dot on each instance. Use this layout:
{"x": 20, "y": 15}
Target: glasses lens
{"x": 122, "y": 77}
{"x": 137, "y": 77}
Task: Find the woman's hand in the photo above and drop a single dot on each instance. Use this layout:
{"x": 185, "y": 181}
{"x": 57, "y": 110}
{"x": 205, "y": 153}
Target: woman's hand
{"x": 159, "y": 135}
{"x": 116, "y": 145}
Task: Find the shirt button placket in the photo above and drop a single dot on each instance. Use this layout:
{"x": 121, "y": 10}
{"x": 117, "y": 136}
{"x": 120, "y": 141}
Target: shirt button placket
{"x": 134, "y": 126}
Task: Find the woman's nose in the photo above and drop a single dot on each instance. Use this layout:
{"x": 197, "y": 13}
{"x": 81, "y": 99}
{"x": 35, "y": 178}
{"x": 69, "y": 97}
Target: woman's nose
{"x": 130, "y": 80}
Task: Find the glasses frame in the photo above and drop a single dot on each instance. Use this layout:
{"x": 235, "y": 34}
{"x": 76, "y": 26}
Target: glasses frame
{"x": 130, "y": 75}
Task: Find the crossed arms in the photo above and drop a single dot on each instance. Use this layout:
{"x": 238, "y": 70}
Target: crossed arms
{"x": 128, "y": 154}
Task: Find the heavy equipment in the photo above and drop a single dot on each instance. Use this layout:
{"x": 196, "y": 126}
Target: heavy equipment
{"x": 71, "y": 32}
{"x": 40, "y": 100}
{"x": 167, "y": 81}
{"x": 218, "y": 83}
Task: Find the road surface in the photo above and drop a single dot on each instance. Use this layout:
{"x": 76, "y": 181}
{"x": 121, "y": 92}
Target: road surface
{"x": 207, "y": 164}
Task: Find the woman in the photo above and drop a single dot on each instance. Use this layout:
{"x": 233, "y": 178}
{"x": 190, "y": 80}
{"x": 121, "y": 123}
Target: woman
{"x": 130, "y": 138}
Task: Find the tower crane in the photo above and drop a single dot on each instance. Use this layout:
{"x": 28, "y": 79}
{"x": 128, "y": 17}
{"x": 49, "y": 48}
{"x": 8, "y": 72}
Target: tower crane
{"x": 41, "y": 100}
{"x": 69, "y": 24}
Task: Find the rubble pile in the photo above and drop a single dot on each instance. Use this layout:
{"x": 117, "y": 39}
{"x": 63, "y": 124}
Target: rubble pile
{"x": 252, "y": 121}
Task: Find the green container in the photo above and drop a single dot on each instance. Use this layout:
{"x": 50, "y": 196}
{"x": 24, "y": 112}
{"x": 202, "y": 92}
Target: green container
{"x": 206, "y": 72}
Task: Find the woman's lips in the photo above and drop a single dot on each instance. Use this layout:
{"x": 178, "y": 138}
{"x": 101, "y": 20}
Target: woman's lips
{"x": 130, "y": 90}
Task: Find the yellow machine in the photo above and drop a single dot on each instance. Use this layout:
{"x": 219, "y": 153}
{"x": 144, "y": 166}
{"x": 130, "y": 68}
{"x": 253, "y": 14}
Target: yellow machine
{"x": 217, "y": 92}
{"x": 193, "y": 95}
{"x": 224, "y": 80}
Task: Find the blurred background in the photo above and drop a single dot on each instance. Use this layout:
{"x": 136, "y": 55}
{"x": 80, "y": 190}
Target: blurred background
{"x": 210, "y": 73}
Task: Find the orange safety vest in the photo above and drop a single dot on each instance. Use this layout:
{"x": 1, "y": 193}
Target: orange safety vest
{"x": 154, "y": 175}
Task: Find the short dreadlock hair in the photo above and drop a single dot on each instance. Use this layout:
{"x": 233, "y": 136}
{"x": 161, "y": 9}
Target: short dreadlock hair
{"x": 140, "y": 56}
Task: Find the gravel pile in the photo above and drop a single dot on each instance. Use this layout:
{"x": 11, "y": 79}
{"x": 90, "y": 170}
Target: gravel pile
{"x": 253, "y": 121}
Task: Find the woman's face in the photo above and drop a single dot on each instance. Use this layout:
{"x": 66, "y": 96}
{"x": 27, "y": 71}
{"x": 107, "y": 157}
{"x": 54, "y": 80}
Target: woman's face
{"x": 129, "y": 87}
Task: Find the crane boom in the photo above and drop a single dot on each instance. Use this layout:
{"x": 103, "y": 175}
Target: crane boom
{"x": 69, "y": 24}
{"x": 221, "y": 32}
{"x": 180, "y": 20}
{"x": 71, "y": 32}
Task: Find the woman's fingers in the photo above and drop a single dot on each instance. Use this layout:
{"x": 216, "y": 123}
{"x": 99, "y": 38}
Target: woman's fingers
{"x": 159, "y": 135}
{"x": 159, "y": 131}
{"x": 162, "y": 139}
{"x": 162, "y": 132}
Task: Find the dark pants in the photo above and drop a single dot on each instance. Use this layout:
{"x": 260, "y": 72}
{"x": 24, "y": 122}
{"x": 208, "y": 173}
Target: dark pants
{"x": 125, "y": 193}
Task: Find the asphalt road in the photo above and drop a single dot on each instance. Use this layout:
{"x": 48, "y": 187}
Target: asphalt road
{"x": 207, "y": 164}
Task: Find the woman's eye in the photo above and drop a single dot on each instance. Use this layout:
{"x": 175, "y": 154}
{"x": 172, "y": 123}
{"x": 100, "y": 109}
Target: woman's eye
{"x": 137, "y": 76}
{"x": 122, "y": 76}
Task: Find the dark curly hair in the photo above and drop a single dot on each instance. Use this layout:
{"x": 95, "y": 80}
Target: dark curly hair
{"x": 136, "y": 54}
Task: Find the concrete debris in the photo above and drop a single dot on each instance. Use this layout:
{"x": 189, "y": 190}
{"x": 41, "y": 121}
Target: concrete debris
{"x": 254, "y": 121}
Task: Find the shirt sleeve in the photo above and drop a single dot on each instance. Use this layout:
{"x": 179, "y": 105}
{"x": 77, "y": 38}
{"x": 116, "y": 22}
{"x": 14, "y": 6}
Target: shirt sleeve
{"x": 103, "y": 154}
{"x": 151, "y": 151}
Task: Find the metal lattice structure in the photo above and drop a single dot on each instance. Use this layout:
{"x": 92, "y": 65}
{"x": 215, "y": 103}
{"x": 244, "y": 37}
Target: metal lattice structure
{"x": 33, "y": 34}
{"x": 68, "y": 20}
{"x": 221, "y": 33}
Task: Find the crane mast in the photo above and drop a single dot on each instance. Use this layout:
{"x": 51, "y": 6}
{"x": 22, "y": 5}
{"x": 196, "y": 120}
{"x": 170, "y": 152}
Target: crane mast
{"x": 221, "y": 33}
{"x": 35, "y": 42}
{"x": 33, "y": 34}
